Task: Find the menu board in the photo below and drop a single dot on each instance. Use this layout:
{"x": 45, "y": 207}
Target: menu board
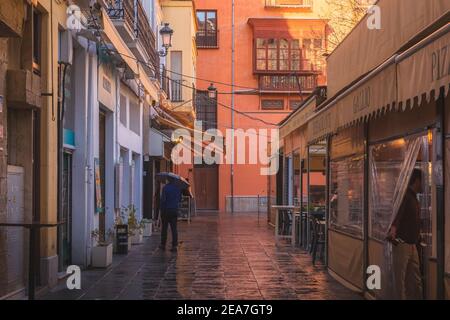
{"x": 122, "y": 239}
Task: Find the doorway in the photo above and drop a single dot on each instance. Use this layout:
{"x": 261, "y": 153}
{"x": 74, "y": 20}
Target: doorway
{"x": 207, "y": 187}
{"x": 65, "y": 230}
{"x": 102, "y": 166}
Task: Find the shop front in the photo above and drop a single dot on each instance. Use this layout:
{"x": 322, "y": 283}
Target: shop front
{"x": 298, "y": 165}
{"x": 376, "y": 137}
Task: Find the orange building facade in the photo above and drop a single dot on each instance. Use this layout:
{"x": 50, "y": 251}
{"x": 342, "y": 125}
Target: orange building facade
{"x": 273, "y": 53}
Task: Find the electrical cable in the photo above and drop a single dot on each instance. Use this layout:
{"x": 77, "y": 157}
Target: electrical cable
{"x": 193, "y": 88}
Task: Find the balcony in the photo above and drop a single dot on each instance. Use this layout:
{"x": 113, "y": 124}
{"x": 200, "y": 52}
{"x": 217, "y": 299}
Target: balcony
{"x": 165, "y": 82}
{"x": 289, "y": 4}
{"x": 287, "y": 83}
{"x": 132, "y": 23}
{"x": 207, "y": 40}
{"x": 176, "y": 90}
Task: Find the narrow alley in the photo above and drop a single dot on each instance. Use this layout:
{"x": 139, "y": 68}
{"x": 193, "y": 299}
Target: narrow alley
{"x": 220, "y": 257}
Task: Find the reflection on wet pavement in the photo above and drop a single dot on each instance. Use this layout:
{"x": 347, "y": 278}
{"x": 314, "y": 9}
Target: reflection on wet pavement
{"x": 221, "y": 257}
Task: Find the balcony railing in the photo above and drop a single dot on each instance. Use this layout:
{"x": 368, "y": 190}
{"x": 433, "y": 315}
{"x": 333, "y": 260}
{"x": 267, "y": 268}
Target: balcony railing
{"x": 165, "y": 82}
{"x": 209, "y": 39}
{"x": 290, "y": 3}
{"x": 284, "y": 83}
{"x": 122, "y": 10}
{"x": 176, "y": 92}
{"x": 133, "y": 14}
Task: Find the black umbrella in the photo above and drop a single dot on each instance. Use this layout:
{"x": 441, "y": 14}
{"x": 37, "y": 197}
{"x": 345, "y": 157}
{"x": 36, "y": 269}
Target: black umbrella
{"x": 180, "y": 181}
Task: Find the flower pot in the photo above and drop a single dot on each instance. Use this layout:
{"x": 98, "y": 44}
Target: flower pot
{"x": 137, "y": 238}
{"x": 148, "y": 230}
{"x": 102, "y": 256}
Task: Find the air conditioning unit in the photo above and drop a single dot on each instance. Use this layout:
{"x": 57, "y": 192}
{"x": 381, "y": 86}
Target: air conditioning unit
{"x": 66, "y": 45}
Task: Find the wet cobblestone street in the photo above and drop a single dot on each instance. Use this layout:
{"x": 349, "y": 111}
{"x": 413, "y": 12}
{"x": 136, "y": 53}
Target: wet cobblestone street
{"x": 220, "y": 257}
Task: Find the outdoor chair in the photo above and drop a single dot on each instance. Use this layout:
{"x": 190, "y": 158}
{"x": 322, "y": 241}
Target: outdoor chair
{"x": 318, "y": 237}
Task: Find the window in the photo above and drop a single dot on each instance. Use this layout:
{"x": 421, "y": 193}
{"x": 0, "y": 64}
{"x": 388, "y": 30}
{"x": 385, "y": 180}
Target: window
{"x": 347, "y": 195}
{"x": 272, "y": 104}
{"x": 123, "y": 110}
{"x": 294, "y": 104}
{"x": 312, "y": 52}
{"x": 275, "y": 55}
{"x": 292, "y": 3}
{"x": 135, "y": 117}
{"x": 206, "y": 109}
{"x": 346, "y": 191}
{"x": 207, "y": 29}
{"x": 176, "y": 59}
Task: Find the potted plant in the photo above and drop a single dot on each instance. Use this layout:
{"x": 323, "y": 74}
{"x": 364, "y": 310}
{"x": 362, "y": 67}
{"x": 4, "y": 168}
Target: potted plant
{"x": 148, "y": 227}
{"x": 135, "y": 228}
{"x": 102, "y": 251}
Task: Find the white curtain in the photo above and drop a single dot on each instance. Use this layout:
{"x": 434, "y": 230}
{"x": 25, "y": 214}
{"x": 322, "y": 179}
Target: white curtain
{"x": 406, "y": 169}
{"x": 389, "y": 182}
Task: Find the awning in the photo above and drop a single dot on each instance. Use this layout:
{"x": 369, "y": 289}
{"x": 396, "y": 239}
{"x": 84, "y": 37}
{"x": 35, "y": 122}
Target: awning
{"x": 366, "y": 48}
{"x": 425, "y": 68}
{"x": 298, "y": 118}
{"x": 374, "y": 94}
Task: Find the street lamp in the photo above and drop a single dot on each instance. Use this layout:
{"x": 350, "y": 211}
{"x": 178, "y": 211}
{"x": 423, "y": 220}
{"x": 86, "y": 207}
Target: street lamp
{"x": 212, "y": 91}
{"x": 166, "y": 34}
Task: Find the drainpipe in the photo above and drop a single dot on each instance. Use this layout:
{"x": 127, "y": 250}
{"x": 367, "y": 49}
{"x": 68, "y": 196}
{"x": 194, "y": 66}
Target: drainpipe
{"x": 232, "y": 101}
{"x": 94, "y": 67}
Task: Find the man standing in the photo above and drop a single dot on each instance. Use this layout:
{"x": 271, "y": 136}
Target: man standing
{"x": 170, "y": 203}
{"x": 405, "y": 235}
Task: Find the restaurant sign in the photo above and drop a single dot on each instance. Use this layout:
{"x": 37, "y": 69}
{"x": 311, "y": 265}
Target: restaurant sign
{"x": 425, "y": 68}
{"x": 365, "y": 99}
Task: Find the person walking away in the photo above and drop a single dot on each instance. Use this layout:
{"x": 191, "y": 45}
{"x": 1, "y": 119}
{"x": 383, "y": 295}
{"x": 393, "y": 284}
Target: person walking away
{"x": 170, "y": 203}
{"x": 405, "y": 236}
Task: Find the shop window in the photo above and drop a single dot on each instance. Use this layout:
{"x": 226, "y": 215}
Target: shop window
{"x": 347, "y": 195}
{"x": 272, "y": 104}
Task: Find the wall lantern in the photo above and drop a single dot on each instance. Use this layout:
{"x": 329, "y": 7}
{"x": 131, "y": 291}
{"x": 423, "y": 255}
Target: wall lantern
{"x": 166, "y": 34}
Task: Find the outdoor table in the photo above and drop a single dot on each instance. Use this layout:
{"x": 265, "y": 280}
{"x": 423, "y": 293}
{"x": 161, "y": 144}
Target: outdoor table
{"x": 34, "y": 228}
{"x": 290, "y": 211}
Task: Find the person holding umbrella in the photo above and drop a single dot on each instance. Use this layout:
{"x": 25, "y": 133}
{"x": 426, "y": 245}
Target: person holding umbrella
{"x": 169, "y": 205}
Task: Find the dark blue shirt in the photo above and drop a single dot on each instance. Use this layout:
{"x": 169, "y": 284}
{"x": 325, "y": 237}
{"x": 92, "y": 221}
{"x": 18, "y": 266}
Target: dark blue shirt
{"x": 170, "y": 197}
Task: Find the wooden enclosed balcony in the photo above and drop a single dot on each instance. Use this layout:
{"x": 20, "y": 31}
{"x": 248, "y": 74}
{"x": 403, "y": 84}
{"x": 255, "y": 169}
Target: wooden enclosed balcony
{"x": 287, "y": 83}
{"x": 289, "y": 3}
